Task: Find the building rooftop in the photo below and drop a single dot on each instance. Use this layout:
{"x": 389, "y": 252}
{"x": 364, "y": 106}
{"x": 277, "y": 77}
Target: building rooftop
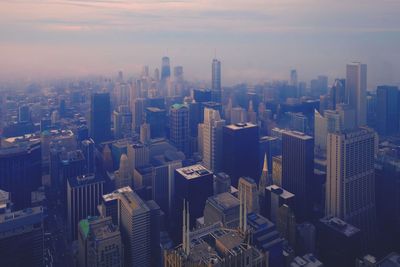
{"x": 238, "y": 126}
{"x": 280, "y": 191}
{"x": 297, "y": 134}
{"x": 391, "y": 260}
{"x": 340, "y": 226}
{"x": 308, "y": 260}
{"x": 84, "y": 180}
{"x": 224, "y": 201}
{"x": 194, "y": 171}
{"x": 129, "y": 198}
{"x": 9, "y": 222}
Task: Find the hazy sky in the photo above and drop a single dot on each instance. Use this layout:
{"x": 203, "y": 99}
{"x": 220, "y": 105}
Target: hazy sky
{"x": 256, "y": 40}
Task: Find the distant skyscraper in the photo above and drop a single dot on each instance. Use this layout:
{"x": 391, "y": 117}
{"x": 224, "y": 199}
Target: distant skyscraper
{"x": 165, "y": 69}
{"x": 100, "y": 117}
{"x": 156, "y": 118}
{"x": 179, "y": 127}
{"x": 137, "y": 110}
{"x": 88, "y": 151}
{"x": 133, "y": 217}
{"x": 337, "y": 93}
{"x": 388, "y": 110}
{"x": 212, "y": 139}
{"x": 298, "y": 170}
{"x": 240, "y": 156}
{"x": 83, "y": 196}
{"x": 216, "y": 81}
{"x": 178, "y": 74}
{"x": 99, "y": 243}
{"x": 350, "y": 183}
{"x": 293, "y": 78}
{"x": 356, "y": 90}
{"x": 122, "y": 122}
{"x": 24, "y": 113}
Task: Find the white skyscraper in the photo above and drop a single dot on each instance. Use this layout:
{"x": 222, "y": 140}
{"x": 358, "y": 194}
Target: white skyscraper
{"x": 350, "y": 188}
{"x": 356, "y": 90}
{"x": 212, "y": 139}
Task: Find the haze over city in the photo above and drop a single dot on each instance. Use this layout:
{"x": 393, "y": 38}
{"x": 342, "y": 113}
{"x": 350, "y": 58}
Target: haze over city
{"x": 256, "y": 40}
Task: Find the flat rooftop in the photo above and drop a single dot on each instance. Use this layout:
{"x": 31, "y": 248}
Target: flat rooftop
{"x": 297, "y": 134}
{"x": 224, "y": 200}
{"x": 339, "y": 225}
{"x": 238, "y": 126}
{"x": 280, "y": 191}
{"x": 194, "y": 171}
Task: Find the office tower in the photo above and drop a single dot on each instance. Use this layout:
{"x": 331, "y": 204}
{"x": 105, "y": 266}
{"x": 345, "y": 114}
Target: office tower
{"x": 298, "y": 122}
{"x": 138, "y": 155}
{"x": 265, "y": 237}
{"x": 83, "y": 196}
{"x": 251, "y": 114}
{"x": 238, "y": 115}
{"x": 156, "y": 118}
{"x": 347, "y": 116}
{"x": 298, "y": 170}
{"x": 122, "y": 122}
{"x": 320, "y": 132}
{"x": 248, "y": 193}
{"x": 100, "y": 117}
{"x": 212, "y": 140}
{"x": 286, "y": 224}
{"x": 120, "y": 76}
{"x": 188, "y": 181}
{"x": 222, "y": 183}
{"x": 240, "y": 151}
{"x": 24, "y": 113}
{"x": 21, "y": 171}
{"x": 143, "y": 177}
{"x": 214, "y": 246}
{"x": 338, "y": 242}
{"x": 123, "y": 177}
{"x": 277, "y": 170}
{"x": 178, "y": 74}
{"x": 22, "y": 237}
{"x": 388, "y": 110}
{"x": 88, "y": 151}
{"x": 156, "y": 226}
{"x": 165, "y": 69}
{"x": 99, "y": 243}
{"x": 293, "y": 78}
{"x": 223, "y": 208}
{"x": 337, "y": 93}
{"x": 145, "y": 133}
{"x": 137, "y": 110}
{"x": 275, "y": 197}
{"x": 350, "y": 188}
{"x": 216, "y": 81}
{"x": 305, "y": 238}
{"x": 356, "y": 90}
{"x": 201, "y": 95}
{"x": 179, "y": 127}
{"x": 133, "y": 217}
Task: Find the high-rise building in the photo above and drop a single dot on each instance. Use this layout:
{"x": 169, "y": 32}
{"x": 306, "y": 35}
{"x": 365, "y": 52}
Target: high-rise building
{"x": 248, "y": 189}
{"x": 350, "y": 184}
{"x": 21, "y": 171}
{"x": 388, "y": 110}
{"x": 100, "y": 117}
{"x": 222, "y": 183}
{"x": 156, "y": 118}
{"x": 165, "y": 69}
{"x": 24, "y": 113}
{"x": 298, "y": 170}
{"x": 133, "y": 217}
{"x": 286, "y": 224}
{"x": 178, "y": 74}
{"x": 88, "y": 151}
{"x": 240, "y": 156}
{"x": 275, "y": 197}
{"x": 137, "y": 110}
{"x": 122, "y": 122}
{"x": 99, "y": 243}
{"x": 212, "y": 139}
{"x": 22, "y": 237}
{"x": 356, "y": 90}
{"x": 179, "y": 127}
{"x": 293, "y": 78}
{"x": 123, "y": 177}
{"x": 337, "y": 94}
{"x": 138, "y": 156}
{"x": 188, "y": 181}
{"x": 277, "y": 170}
{"x": 223, "y": 208}
{"x": 83, "y": 196}
{"x": 216, "y": 81}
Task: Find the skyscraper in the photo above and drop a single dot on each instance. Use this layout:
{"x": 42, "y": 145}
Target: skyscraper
{"x": 248, "y": 193}
{"x": 298, "y": 170}
{"x": 179, "y": 127}
{"x": 165, "y": 69}
{"x": 240, "y": 156}
{"x": 293, "y": 78}
{"x": 99, "y": 243}
{"x": 212, "y": 139}
{"x": 388, "y": 110}
{"x": 350, "y": 186}
{"x": 133, "y": 217}
{"x": 216, "y": 81}
{"x": 356, "y": 90}
{"x": 83, "y": 196}
{"x": 100, "y": 117}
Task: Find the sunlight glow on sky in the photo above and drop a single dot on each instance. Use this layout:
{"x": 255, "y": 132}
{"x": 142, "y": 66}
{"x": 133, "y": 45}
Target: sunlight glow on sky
{"x": 256, "y": 40}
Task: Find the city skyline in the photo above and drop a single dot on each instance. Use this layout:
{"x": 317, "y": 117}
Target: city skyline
{"x": 57, "y": 39}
